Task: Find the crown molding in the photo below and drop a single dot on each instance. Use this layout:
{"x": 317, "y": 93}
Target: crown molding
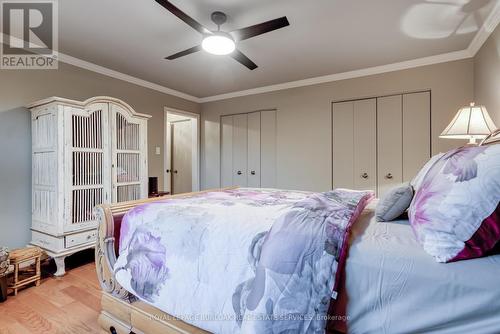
{"x": 112, "y": 73}
{"x": 441, "y": 58}
{"x": 124, "y": 77}
{"x": 488, "y": 27}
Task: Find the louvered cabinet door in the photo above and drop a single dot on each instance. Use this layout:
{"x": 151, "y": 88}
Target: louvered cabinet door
{"x": 86, "y": 145}
{"x": 254, "y": 154}
{"x": 389, "y": 143}
{"x": 128, "y": 156}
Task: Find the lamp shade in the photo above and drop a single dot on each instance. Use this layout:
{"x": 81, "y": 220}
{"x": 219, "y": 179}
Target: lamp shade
{"x": 471, "y": 122}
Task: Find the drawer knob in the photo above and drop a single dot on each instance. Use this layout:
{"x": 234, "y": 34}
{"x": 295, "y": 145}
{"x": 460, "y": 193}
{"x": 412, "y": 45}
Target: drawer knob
{"x": 389, "y": 176}
{"x": 252, "y": 172}
{"x": 239, "y": 172}
{"x": 364, "y": 175}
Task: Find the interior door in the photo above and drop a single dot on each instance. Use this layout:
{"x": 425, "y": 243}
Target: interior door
{"x": 128, "y": 163}
{"x": 240, "y": 150}
{"x": 389, "y": 143}
{"x": 182, "y": 141}
{"x": 254, "y": 145}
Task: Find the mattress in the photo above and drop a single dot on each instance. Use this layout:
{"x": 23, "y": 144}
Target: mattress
{"x": 393, "y": 286}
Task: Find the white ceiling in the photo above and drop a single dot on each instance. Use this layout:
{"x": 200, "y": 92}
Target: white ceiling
{"x": 324, "y": 37}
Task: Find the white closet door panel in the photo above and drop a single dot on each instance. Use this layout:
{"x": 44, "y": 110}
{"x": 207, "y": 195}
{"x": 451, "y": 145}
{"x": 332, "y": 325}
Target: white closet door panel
{"x": 182, "y": 157}
{"x": 254, "y": 174}
{"x": 268, "y": 148}
{"x": 343, "y": 145}
{"x": 390, "y": 143}
{"x": 226, "y": 151}
{"x": 417, "y": 133}
{"x": 365, "y": 144}
{"x": 240, "y": 150}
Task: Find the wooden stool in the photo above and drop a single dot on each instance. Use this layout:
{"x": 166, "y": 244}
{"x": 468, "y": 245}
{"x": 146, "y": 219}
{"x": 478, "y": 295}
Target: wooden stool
{"x": 22, "y": 255}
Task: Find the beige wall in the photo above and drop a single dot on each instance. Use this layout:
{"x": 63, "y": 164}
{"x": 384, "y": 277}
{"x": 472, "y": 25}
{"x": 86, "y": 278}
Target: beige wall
{"x": 487, "y": 76}
{"x": 304, "y": 119}
{"x": 18, "y": 88}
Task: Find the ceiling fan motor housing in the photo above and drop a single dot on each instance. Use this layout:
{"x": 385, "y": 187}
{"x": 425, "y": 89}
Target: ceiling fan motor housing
{"x": 219, "y": 18}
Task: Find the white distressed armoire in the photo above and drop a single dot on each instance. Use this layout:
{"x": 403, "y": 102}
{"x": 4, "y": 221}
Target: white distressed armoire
{"x": 83, "y": 154}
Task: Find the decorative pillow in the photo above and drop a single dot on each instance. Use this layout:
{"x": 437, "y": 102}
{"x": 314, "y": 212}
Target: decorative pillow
{"x": 455, "y": 212}
{"x": 417, "y": 181}
{"x": 394, "y": 204}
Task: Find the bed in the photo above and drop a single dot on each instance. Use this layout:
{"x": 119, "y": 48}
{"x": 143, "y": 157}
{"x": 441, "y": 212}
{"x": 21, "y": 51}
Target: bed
{"x": 389, "y": 285}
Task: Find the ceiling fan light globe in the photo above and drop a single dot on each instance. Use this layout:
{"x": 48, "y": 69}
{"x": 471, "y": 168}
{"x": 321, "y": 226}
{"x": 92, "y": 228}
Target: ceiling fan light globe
{"x": 218, "y": 44}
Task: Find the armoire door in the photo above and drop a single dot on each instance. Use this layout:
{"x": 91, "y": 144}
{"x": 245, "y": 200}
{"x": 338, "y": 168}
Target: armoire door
{"x": 354, "y": 145}
{"x": 129, "y": 160}
{"x": 181, "y": 157}
{"x": 389, "y": 142}
{"x": 86, "y": 142}
{"x": 254, "y": 173}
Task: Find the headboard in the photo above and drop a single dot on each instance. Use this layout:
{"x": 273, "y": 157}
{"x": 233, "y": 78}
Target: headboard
{"x": 492, "y": 138}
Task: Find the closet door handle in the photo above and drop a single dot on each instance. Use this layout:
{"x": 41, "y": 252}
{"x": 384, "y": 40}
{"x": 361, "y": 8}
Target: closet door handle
{"x": 364, "y": 175}
{"x": 252, "y": 172}
{"x": 239, "y": 172}
{"x": 389, "y": 176}
{"x": 175, "y": 171}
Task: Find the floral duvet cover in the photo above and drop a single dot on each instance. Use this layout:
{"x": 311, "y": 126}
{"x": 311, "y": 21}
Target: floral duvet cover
{"x": 239, "y": 261}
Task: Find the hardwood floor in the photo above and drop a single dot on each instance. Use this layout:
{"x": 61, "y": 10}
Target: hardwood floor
{"x": 69, "y": 304}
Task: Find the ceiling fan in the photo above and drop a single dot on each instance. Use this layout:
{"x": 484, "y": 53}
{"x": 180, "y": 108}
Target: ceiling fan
{"x": 219, "y": 42}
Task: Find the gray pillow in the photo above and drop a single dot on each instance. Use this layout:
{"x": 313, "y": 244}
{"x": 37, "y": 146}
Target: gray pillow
{"x": 394, "y": 204}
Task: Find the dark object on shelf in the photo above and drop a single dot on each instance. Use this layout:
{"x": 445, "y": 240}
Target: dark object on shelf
{"x": 159, "y": 194}
{"x": 153, "y": 186}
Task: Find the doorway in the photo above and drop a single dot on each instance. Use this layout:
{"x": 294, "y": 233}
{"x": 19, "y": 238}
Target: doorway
{"x": 181, "y": 174}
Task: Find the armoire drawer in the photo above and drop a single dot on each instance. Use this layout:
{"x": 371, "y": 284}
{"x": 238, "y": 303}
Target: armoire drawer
{"x": 47, "y": 241}
{"x": 78, "y": 239}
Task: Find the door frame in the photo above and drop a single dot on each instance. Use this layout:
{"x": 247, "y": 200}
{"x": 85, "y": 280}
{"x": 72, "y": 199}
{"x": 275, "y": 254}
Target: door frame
{"x": 195, "y": 165}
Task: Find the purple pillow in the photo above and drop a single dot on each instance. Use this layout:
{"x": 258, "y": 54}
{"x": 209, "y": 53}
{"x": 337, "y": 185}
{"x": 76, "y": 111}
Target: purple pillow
{"x": 455, "y": 213}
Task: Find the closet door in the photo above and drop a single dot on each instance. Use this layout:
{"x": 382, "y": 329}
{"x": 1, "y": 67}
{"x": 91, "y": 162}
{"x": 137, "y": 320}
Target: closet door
{"x": 226, "y": 151}
{"x": 354, "y": 145}
{"x": 365, "y": 144}
{"x": 268, "y": 148}
{"x": 343, "y": 145}
{"x": 240, "y": 150}
{"x": 390, "y": 143}
{"x": 254, "y": 152}
{"x": 129, "y": 161}
{"x": 417, "y": 133}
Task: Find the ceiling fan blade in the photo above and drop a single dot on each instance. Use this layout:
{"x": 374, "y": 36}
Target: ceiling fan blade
{"x": 184, "y": 53}
{"x": 244, "y": 60}
{"x": 259, "y": 29}
{"x": 184, "y": 17}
